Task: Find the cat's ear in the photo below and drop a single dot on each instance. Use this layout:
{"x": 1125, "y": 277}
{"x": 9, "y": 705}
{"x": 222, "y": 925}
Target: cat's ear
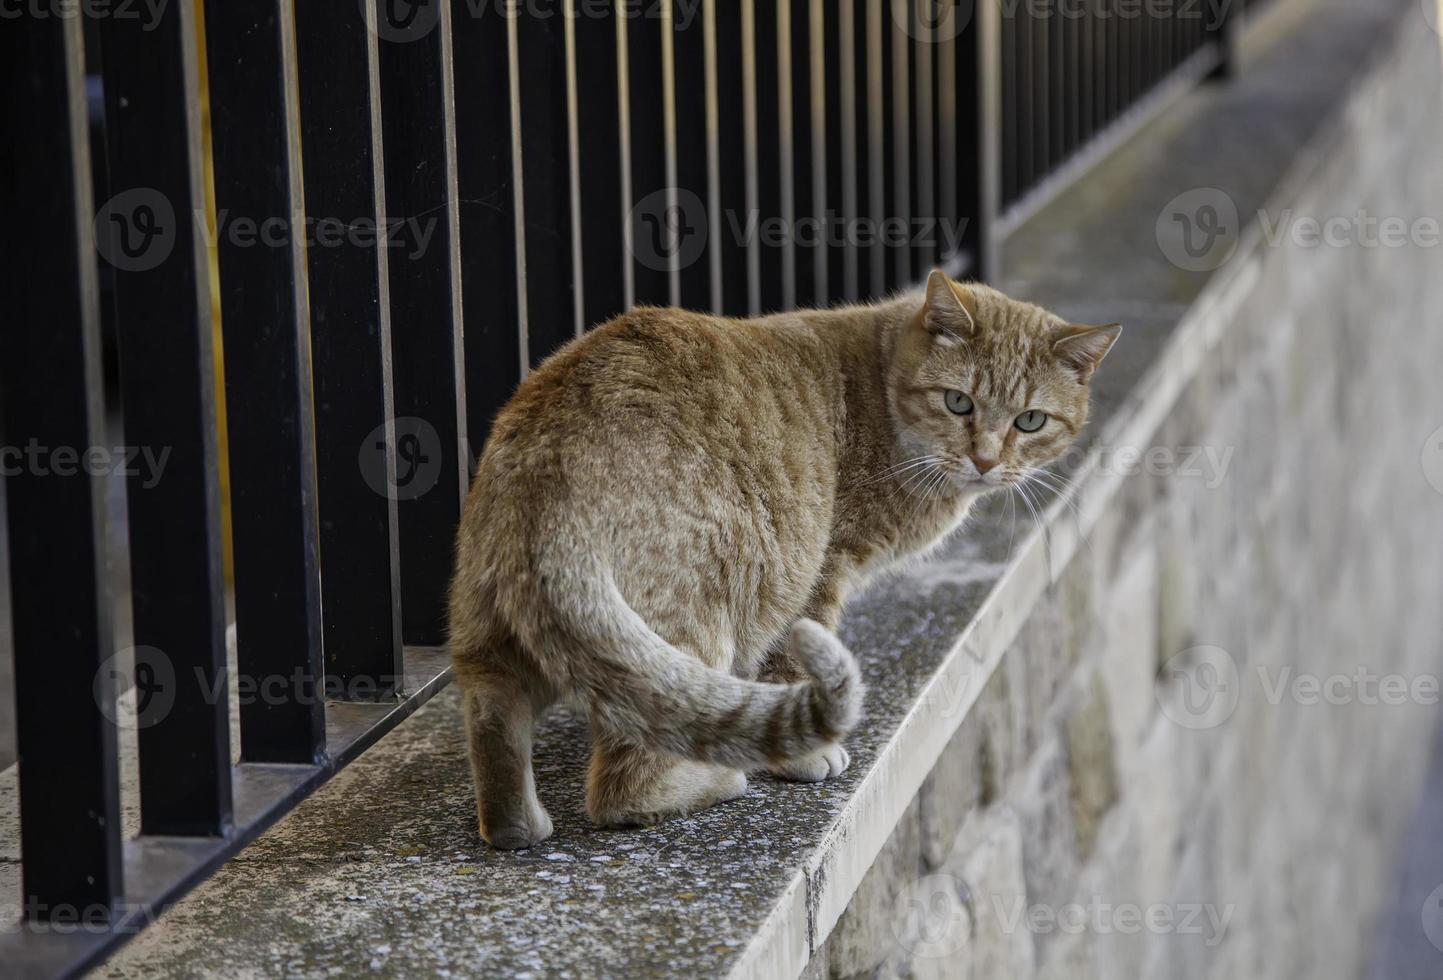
{"x": 1083, "y": 348}
{"x": 945, "y": 314}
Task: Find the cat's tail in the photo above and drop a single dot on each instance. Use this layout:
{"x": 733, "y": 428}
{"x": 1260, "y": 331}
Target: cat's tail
{"x": 640, "y": 688}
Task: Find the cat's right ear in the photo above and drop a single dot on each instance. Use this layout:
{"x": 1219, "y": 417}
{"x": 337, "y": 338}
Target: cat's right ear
{"x": 945, "y": 314}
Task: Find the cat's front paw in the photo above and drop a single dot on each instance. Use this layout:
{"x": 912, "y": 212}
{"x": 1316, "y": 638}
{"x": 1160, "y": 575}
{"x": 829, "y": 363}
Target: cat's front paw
{"x": 825, "y": 764}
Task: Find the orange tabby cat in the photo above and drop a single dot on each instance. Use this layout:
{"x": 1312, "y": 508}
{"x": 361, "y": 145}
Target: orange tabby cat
{"x": 671, "y": 511}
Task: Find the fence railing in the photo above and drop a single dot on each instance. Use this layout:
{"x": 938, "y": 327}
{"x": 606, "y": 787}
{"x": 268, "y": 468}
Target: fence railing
{"x": 403, "y": 207}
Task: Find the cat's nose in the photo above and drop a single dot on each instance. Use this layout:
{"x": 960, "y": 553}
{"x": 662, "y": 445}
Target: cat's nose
{"x": 983, "y": 464}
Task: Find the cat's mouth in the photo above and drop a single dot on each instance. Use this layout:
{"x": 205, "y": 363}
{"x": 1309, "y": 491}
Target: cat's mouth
{"x": 968, "y": 479}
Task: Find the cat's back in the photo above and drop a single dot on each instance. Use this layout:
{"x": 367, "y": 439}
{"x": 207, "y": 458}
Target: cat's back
{"x": 665, "y": 409}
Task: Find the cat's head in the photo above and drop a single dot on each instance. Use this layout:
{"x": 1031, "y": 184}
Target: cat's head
{"x": 990, "y": 386}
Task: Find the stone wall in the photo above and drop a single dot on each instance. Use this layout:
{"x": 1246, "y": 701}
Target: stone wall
{"x": 1196, "y": 760}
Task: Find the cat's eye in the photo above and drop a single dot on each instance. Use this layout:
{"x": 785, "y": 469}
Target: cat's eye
{"x": 958, "y": 403}
{"x": 1031, "y": 421}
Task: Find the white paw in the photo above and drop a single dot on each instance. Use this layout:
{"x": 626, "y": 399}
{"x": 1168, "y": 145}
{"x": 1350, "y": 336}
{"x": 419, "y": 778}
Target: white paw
{"x": 825, "y": 764}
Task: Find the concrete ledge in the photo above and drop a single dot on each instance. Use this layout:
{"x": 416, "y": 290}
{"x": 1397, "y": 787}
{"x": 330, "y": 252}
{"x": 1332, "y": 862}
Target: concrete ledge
{"x": 381, "y": 870}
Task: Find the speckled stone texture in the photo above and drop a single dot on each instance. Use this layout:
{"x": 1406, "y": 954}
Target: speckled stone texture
{"x": 1020, "y": 750}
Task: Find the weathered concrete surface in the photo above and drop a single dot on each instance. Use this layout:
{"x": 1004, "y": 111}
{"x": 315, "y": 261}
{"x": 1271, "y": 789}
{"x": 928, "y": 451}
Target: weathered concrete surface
{"x": 1029, "y": 761}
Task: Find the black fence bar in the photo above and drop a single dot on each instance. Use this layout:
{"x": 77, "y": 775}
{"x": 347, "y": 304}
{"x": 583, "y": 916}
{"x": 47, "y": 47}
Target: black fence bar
{"x": 926, "y": 226}
{"x": 981, "y": 115}
{"x": 529, "y": 175}
{"x": 898, "y": 79}
{"x": 648, "y": 231}
{"x": 689, "y": 220}
{"x": 266, "y": 331}
{"x": 424, "y": 266}
{"x": 351, "y": 348}
{"x": 943, "y": 28}
{"x": 487, "y": 189}
{"x": 147, "y": 232}
{"x": 769, "y": 174}
{"x": 1222, "y": 31}
{"x": 552, "y": 316}
{"x": 604, "y": 205}
{"x": 809, "y": 166}
{"x": 838, "y": 149}
{"x": 50, "y": 399}
{"x": 732, "y": 137}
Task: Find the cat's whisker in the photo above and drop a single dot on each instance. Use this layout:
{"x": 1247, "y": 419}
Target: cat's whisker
{"x": 938, "y": 478}
{"x": 912, "y": 482}
{"x": 1012, "y": 515}
{"x": 1068, "y": 500}
{"x": 1037, "y": 519}
{"x": 897, "y": 469}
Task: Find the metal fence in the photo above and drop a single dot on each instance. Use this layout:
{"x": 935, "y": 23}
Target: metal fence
{"x": 400, "y": 208}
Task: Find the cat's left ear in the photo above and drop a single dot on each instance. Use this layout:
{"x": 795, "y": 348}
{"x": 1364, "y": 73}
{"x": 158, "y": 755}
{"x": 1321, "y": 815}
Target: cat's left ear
{"x": 1083, "y": 348}
{"x": 945, "y": 314}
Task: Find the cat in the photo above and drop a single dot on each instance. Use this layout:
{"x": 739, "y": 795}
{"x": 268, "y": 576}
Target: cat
{"x": 671, "y": 511}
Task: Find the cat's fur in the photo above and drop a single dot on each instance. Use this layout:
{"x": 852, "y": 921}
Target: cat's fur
{"x": 671, "y": 511}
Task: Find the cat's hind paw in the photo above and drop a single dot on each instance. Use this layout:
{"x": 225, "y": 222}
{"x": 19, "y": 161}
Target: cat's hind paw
{"x": 824, "y": 764}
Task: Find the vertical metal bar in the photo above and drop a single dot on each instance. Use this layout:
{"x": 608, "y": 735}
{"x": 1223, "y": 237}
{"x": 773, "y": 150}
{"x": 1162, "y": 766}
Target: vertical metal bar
{"x": 552, "y": 278}
{"x": 1026, "y": 100}
{"x": 751, "y": 151}
{"x": 487, "y": 190}
{"x": 1011, "y": 66}
{"x": 1064, "y": 90}
{"x": 351, "y": 348}
{"x": 693, "y": 263}
{"x": 1222, "y": 32}
{"x": 1042, "y": 108}
{"x": 804, "y": 150}
{"x": 428, "y": 357}
{"x": 161, "y": 304}
{"x": 901, "y": 106}
{"x": 852, "y": 119}
{"x": 518, "y": 183}
{"x": 877, "y": 157}
{"x": 598, "y": 168}
{"x": 60, "y": 610}
{"x": 981, "y": 181}
{"x": 836, "y": 118}
{"x": 250, "y": 49}
{"x": 646, "y": 143}
{"x": 676, "y": 218}
{"x": 623, "y": 137}
{"x": 733, "y": 213}
{"x": 573, "y": 168}
{"x": 713, "y": 157}
{"x": 946, "y": 180}
{"x": 923, "y": 121}
{"x": 787, "y": 139}
{"x": 1115, "y": 75}
{"x": 770, "y": 172}
{"x": 818, "y": 101}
